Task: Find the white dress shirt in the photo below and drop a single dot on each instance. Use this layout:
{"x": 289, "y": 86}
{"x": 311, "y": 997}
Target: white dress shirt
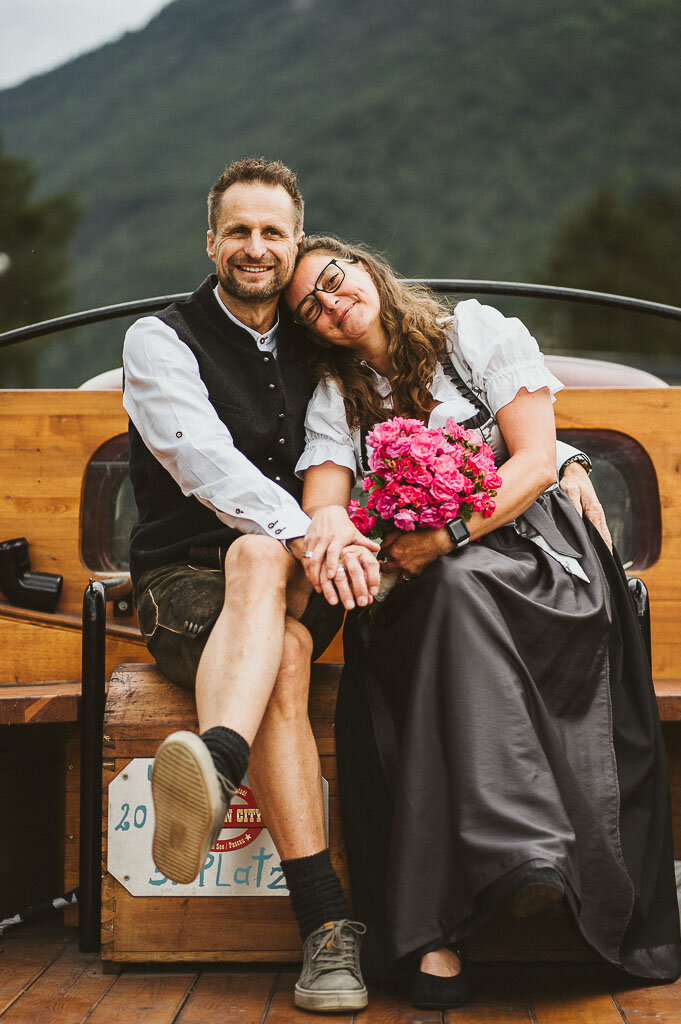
{"x": 168, "y": 403}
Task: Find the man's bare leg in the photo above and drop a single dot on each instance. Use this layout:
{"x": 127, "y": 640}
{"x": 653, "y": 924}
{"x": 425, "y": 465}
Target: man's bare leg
{"x": 235, "y": 678}
{"x": 241, "y": 659}
{"x": 284, "y": 767}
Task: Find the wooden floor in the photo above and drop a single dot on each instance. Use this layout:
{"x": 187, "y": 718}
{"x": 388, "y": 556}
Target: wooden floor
{"x": 44, "y": 979}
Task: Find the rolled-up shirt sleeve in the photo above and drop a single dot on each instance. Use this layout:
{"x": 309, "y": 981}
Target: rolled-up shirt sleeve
{"x": 327, "y": 435}
{"x": 168, "y": 403}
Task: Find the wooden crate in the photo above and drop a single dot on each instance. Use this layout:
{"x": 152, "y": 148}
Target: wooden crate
{"x": 142, "y": 709}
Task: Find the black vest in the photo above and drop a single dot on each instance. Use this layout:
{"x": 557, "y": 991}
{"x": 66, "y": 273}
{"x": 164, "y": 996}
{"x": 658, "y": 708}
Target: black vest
{"x": 260, "y": 399}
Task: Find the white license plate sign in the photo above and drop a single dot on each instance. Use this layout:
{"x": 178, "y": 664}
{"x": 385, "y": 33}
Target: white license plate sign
{"x": 243, "y": 861}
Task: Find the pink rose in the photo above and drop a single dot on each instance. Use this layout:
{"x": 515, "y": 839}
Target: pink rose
{"x": 425, "y": 446}
{"x": 432, "y": 518}
{"x": 385, "y": 504}
{"x": 410, "y": 496}
{"x": 406, "y": 519}
{"x": 361, "y": 519}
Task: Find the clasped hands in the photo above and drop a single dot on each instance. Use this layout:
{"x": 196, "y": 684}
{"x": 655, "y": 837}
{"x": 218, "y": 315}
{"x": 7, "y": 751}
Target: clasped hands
{"x": 341, "y": 563}
{"x": 338, "y": 560}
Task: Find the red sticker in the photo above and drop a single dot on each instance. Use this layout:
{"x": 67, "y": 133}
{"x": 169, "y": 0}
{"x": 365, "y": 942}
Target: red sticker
{"x": 243, "y": 821}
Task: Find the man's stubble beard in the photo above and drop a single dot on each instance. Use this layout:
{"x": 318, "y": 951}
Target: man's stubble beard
{"x": 282, "y": 277}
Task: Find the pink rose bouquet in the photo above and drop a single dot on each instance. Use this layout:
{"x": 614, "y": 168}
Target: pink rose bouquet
{"x": 422, "y": 477}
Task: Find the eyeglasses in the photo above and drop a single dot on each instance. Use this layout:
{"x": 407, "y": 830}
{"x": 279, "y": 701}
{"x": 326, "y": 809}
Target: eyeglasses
{"x": 330, "y": 280}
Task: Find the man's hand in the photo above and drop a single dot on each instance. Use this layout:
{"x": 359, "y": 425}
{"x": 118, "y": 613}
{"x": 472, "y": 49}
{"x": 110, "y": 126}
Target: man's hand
{"x": 410, "y": 552}
{"x": 356, "y": 580}
{"x": 579, "y": 489}
{"x": 329, "y": 532}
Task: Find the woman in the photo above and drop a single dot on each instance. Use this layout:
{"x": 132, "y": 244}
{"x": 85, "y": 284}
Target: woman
{"x": 497, "y": 730}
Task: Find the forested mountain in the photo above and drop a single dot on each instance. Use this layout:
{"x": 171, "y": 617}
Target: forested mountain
{"x": 457, "y": 135}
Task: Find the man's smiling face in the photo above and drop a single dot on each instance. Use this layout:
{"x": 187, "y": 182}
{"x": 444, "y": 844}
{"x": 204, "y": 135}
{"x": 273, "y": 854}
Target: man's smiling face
{"x": 254, "y": 245}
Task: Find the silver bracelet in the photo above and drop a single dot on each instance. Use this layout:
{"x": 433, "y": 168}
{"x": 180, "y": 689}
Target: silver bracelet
{"x": 583, "y": 461}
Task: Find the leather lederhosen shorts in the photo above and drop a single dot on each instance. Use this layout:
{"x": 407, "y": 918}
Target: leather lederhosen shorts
{"x": 178, "y": 604}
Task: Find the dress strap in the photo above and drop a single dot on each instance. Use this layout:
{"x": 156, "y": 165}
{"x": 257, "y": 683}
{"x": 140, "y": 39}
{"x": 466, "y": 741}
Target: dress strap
{"x": 363, "y": 450}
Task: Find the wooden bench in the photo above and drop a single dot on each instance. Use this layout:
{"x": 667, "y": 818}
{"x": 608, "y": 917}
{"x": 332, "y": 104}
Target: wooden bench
{"x": 142, "y": 708}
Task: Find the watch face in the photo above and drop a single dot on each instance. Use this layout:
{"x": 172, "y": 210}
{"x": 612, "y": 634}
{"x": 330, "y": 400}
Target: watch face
{"x": 458, "y": 531}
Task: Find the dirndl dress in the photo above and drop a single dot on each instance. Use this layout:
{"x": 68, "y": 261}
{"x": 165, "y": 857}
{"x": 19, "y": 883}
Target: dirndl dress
{"x": 498, "y": 713}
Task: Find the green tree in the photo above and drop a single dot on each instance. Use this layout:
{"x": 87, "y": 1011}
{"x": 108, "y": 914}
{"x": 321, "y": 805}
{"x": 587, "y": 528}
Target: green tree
{"x": 627, "y": 247}
{"x": 34, "y": 236}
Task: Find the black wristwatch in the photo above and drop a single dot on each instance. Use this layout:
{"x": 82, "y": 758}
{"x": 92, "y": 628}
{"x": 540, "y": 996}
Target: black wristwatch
{"x": 458, "y": 532}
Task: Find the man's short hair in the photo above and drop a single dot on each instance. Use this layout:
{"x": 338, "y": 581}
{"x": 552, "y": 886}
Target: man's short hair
{"x": 263, "y": 172}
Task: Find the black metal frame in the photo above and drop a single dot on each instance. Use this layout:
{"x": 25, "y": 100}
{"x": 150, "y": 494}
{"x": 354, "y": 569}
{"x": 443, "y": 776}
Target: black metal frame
{"x": 444, "y": 285}
{"x": 92, "y": 701}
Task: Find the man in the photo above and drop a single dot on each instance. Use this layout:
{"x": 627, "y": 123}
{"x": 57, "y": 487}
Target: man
{"x": 216, "y": 401}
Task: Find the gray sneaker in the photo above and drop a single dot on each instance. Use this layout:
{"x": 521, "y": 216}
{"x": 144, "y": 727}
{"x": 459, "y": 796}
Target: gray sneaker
{"x": 189, "y": 806}
{"x": 331, "y": 979}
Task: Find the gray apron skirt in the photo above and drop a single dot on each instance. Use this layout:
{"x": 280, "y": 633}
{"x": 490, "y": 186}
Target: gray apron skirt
{"x": 498, "y": 712}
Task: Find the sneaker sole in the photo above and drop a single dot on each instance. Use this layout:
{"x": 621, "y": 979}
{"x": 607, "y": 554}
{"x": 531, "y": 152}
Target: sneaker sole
{"x": 187, "y": 804}
{"x": 330, "y": 1001}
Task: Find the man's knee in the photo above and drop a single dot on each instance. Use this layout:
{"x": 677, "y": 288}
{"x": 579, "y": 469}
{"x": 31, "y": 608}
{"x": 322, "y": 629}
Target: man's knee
{"x": 290, "y": 693}
{"x": 256, "y": 560}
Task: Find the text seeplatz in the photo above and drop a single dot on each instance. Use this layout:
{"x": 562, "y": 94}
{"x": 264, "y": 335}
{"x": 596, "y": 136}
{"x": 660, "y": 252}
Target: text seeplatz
{"x": 242, "y": 862}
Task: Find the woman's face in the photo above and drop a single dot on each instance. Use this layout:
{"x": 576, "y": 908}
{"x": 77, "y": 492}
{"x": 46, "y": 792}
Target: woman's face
{"x": 348, "y": 315}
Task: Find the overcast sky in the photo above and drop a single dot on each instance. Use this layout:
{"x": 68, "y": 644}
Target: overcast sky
{"x": 38, "y": 35}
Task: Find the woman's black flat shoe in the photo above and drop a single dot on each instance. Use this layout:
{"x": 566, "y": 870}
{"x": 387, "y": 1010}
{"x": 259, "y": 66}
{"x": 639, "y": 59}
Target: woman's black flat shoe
{"x": 431, "y": 992}
{"x": 538, "y": 890}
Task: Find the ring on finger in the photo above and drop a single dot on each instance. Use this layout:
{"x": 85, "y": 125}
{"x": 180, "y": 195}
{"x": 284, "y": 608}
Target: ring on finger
{"x": 341, "y": 570}
{"x": 308, "y": 554}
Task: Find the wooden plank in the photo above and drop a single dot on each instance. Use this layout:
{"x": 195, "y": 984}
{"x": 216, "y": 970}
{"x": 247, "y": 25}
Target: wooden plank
{"x": 229, "y": 998}
{"x": 25, "y": 954}
{"x": 41, "y": 702}
{"x": 34, "y": 652}
{"x": 668, "y": 693}
{"x": 156, "y": 927}
{"x": 572, "y": 995}
{"x": 656, "y": 1004}
{"x": 283, "y": 1011}
{"x": 385, "y": 1008}
{"x": 497, "y": 997}
{"x": 152, "y": 998}
{"x": 64, "y": 994}
{"x": 41, "y": 431}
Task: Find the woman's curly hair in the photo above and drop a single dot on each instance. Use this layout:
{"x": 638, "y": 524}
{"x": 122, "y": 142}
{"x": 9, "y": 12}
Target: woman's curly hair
{"x": 411, "y": 319}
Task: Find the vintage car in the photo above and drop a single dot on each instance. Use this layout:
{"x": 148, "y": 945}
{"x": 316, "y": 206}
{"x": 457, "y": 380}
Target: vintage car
{"x": 67, "y": 621}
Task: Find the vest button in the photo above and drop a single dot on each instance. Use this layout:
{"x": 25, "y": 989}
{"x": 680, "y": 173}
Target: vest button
{"x": 272, "y": 387}
{"x": 277, "y": 479}
{"x": 266, "y": 359}
{"x": 281, "y": 415}
{"x": 282, "y": 440}
{"x": 270, "y": 458}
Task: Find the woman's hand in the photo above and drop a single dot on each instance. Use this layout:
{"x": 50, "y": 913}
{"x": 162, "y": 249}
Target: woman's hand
{"x": 579, "y": 489}
{"x": 410, "y": 553}
{"x": 330, "y": 531}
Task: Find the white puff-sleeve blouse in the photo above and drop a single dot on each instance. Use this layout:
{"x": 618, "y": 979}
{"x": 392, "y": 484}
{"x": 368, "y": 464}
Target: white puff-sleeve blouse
{"x": 502, "y": 357}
